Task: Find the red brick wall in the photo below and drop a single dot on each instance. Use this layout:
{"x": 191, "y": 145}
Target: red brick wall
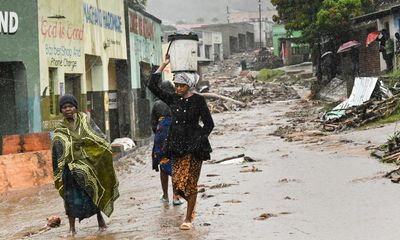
{"x": 29, "y": 142}
{"x": 369, "y": 56}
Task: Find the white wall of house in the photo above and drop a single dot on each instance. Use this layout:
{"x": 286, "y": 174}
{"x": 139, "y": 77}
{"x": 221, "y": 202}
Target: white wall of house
{"x": 217, "y": 48}
{"x": 382, "y": 24}
{"x": 208, "y": 42}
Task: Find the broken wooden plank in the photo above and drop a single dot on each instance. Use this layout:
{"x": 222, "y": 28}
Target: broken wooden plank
{"x": 216, "y": 96}
{"x": 229, "y": 158}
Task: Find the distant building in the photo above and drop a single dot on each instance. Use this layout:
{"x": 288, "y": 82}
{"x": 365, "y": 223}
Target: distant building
{"x": 236, "y": 37}
{"x": 210, "y": 46}
{"x": 253, "y": 17}
{"x": 286, "y": 46}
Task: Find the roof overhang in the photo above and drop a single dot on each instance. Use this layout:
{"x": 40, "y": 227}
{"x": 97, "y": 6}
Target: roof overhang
{"x": 376, "y": 15}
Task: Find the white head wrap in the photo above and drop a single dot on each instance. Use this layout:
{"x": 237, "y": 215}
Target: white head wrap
{"x": 190, "y": 79}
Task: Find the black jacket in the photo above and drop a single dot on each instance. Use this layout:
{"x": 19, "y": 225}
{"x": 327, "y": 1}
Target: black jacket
{"x": 185, "y": 134}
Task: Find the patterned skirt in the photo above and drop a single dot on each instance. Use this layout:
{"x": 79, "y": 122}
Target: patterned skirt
{"x": 77, "y": 202}
{"x": 185, "y": 175}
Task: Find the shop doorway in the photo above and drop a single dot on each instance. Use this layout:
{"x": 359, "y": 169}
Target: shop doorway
{"x": 73, "y": 85}
{"x": 13, "y": 101}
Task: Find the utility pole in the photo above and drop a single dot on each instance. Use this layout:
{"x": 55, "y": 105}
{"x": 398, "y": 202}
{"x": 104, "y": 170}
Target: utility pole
{"x": 259, "y": 18}
{"x": 227, "y": 13}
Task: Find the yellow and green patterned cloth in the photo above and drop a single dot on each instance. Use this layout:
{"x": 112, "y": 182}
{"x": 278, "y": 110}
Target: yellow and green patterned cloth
{"x": 83, "y": 169}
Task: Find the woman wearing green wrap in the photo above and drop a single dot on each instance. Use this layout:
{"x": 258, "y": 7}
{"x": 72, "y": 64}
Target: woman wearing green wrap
{"x": 82, "y": 165}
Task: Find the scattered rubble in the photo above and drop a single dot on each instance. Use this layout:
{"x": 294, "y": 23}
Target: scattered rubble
{"x": 252, "y": 169}
{"x": 53, "y": 221}
{"x": 360, "y": 115}
{"x": 221, "y": 185}
{"x": 213, "y": 175}
{"x": 265, "y": 216}
{"x": 233, "y": 201}
{"x": 231, "y": 89}
{"x": 390, "y": 151}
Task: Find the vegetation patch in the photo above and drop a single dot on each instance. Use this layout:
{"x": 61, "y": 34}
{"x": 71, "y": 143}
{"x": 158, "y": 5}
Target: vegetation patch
{"x": 266, "y": 75}
{"x": 394, "y": 77}
{"x": 394, "y": 117}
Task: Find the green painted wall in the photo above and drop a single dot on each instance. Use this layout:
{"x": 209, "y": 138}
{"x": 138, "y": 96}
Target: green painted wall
{"x": 23, "y": 46}
{"x": 145, "y": 51}
{"x": 279, "y": 31}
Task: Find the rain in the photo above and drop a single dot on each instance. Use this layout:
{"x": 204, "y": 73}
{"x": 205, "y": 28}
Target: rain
{"x": 227, "y": 119}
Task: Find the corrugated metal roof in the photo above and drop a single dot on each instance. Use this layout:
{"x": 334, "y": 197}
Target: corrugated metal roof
{"x": 362, "y": 91}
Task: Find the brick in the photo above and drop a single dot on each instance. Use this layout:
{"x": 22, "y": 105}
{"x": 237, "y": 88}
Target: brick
{"x": 30, "y": 142}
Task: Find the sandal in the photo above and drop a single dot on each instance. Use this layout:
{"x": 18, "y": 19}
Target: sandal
{"x": 177, "y": 202}
{"x": 164, "y": 200}
{"x": 186, "y": 226}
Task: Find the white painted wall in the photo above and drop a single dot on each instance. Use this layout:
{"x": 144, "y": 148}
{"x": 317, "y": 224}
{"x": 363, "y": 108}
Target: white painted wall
{"x": 392, "y": 30}
{"x": 210, "y": 38}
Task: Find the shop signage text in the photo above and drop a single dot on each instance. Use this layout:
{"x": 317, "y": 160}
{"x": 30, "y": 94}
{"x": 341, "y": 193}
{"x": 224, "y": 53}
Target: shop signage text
{"x": 8, "y": 22}
{"x": 101, "y": 18}
{"x": 60, "y": 30}
{"x": 141, "y": 25}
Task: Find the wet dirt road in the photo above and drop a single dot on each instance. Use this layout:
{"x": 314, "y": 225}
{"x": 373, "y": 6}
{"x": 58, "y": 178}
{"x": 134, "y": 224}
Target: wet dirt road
{"x": 324, "y": 189}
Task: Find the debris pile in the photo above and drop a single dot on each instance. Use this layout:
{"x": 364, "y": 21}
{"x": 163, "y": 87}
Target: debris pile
{"x": 266, "y": 59}
{"x": 390, "y": 151}
{"x": 231, "y": 89}
{"x": 357, "y": 116}
{"x": 303, "y": 121}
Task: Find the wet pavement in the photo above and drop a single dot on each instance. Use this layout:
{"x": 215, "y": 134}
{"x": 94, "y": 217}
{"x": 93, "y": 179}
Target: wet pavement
{"x": 328, "y": 189}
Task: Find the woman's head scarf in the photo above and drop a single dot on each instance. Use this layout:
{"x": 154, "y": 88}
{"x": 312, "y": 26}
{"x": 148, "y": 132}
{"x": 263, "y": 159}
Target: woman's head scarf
{"x": 190, "y": 79}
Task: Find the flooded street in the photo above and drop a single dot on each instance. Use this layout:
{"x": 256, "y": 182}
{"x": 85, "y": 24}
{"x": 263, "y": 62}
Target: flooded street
{"x": 301, "y": 114}
{"x": 328, "y": 189}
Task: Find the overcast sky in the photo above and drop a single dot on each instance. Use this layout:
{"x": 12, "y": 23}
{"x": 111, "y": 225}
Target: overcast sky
{"x": 190, "y": 10}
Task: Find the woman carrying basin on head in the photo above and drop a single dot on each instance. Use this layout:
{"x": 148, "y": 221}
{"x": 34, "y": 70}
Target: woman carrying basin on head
{"x": 187, "y": 142}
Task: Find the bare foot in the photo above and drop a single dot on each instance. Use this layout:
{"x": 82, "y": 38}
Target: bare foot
{"x": 102, "y": 223}
{"x": 102, "y": 229}
{"x": 72, "y": 232}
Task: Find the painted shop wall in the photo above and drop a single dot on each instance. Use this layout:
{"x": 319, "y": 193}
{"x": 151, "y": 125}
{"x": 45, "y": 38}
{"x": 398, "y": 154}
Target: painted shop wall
{"x": 19, "y": 68}
{"x": 167, "y": 73}
{"x": 145, "y": 53}
{"x": 278, "y": 31}
{"x": 62, "y": 65}
{"x": 145, "y": 43}
{"x": 104, "y": 28}
{"x": 105, "y": 39}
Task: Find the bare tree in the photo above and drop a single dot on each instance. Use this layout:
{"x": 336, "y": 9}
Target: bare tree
{"x": 181, "y": 22}
{"x": 215, "y": 20}
{"x": 200, "y": 20}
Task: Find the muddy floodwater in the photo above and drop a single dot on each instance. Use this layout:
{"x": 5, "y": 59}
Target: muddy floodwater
{"x": 321, "y": 188}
